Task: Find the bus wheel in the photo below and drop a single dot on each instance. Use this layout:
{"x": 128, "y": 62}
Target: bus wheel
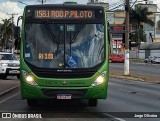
{"x": 93, "y": 102}
{"x": 31, "y": 102}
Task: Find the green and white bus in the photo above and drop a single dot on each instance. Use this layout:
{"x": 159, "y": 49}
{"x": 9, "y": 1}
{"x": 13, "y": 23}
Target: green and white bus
{"x": 64, "y": 53}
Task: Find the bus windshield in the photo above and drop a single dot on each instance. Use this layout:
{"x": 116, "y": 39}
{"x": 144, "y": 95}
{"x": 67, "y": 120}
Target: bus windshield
{"x": 51, "y": 45}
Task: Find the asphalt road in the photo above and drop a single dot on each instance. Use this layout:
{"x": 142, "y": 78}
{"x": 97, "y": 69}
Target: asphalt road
{"x": 153, "y": 69}
{"x": 125, "y": 100}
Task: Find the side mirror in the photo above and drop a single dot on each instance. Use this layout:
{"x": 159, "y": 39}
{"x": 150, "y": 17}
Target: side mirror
{"x": 17, "y": 29}
{"x": 17, "y": 32}
{"x": 108, "y": 32}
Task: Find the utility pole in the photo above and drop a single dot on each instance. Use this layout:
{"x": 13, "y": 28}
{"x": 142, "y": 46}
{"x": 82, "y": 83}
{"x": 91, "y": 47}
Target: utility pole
{"x": 42, "y": 1}
{"x": 146, "y": 1}
{"x": 126, "y": 63}
{"x": 12, "y": 14}
{"x": 111, "y": 43}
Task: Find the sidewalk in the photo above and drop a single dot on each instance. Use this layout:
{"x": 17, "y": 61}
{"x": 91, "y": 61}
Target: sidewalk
{"x": 136, "y": 76}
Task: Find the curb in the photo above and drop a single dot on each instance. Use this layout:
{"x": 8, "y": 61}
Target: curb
{"x": 9, "y": 90}
{"x": 125, "y": 77}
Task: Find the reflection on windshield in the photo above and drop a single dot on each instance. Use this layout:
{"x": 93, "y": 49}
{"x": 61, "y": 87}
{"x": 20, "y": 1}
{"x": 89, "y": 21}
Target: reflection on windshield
{"x": 64, "y": 45}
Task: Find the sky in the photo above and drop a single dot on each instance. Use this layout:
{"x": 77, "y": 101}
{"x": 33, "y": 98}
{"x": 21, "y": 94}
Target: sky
{"x": 13, "y": 6}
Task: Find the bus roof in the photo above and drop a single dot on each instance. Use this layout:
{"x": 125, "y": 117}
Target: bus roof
{"x": 65, "y": 5}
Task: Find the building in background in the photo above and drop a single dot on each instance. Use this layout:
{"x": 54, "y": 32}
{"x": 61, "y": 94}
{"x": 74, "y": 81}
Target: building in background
{"x": 118, "y": 29}
{"x": 157, "y": 27}
{"x": 116, "y": 21}
{"x": 151, "y": 47}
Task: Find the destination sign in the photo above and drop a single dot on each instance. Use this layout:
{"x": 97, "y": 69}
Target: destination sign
{"x": 64, "y": 14}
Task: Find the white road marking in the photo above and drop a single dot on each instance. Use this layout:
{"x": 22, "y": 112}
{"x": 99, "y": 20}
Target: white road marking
{"x": 113, "y": 117}
{"x": 9, "y": 97}
{"x": 120, "y": 119}
{"x": 9, "y": 90}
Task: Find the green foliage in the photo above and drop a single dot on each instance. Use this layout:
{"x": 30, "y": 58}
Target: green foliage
{"x": 138, "y": 16}
{"x": 6, "y": 27}
{"x": 6, "y": 30}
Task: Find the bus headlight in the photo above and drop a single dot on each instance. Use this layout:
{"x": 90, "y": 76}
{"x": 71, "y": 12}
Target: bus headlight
{"x": 99, "y": 79}
{"x": 28, "y": 78}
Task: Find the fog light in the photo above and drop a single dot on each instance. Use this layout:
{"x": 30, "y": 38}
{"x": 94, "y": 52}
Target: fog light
{"x": 28, "y": 78}
{"x": 99, "y": 80}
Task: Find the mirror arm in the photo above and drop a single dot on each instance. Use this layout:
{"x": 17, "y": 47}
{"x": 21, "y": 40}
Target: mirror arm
{"x": 19, "y": 18}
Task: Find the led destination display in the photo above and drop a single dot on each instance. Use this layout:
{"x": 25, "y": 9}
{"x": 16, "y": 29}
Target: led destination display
{"x": 64, "y": 14}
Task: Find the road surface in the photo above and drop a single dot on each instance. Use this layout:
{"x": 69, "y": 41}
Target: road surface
{"x": 126, "y": 99}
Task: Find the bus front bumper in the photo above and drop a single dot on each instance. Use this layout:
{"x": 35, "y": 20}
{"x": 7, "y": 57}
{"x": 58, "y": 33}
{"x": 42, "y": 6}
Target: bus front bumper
{"x": 39, "y": 92}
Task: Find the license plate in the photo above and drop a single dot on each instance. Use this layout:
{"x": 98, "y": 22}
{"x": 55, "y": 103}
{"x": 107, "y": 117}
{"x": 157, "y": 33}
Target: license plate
{"x": 64, "y": 96}
{"x": 14, "y": 72}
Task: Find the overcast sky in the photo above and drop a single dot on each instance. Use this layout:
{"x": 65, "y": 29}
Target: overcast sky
{"x": 13, "y": 6}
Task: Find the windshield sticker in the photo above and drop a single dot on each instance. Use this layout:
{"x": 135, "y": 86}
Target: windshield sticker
{"x": 70, "y": 28}
{"x": 72, "y": 61}
{"x": 61, "y": 28}
{"x": 27, "y": 55}
{"x": 60, "y": 64}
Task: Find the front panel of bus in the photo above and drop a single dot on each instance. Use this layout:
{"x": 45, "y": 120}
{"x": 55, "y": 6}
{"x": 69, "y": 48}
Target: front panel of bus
{"x": 64, "y": 52}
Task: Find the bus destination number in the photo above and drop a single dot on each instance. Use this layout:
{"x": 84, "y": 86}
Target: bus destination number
{"x": 46, "y": 56}
{"x": 64, "y": 14}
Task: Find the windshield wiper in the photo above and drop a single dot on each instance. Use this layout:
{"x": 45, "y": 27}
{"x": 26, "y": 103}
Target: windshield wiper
{"x": 52, "y": 34}
{"x": 78, "y": 31}
{"x": 75, "y": 36}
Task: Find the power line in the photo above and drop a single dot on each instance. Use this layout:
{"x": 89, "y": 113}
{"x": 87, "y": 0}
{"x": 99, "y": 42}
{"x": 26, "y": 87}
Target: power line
{"x": 114, "y": 4}
{"x": 118, "y": 6}
{"x": 22, "y": 2}
{"x": 134, "y": 3}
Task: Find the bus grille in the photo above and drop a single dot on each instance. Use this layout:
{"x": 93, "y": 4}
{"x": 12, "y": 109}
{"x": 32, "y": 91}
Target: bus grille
{"x": 52, "y": 93}
{"x": 64, "y": 74}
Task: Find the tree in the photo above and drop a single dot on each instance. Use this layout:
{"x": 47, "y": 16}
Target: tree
{"x": 6, "y": 29}
{"x": 138, "y": 16}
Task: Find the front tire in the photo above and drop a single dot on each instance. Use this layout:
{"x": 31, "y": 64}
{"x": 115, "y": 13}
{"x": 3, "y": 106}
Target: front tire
{"x": 31, "y": 102}
{"x": 93, "y": 102}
